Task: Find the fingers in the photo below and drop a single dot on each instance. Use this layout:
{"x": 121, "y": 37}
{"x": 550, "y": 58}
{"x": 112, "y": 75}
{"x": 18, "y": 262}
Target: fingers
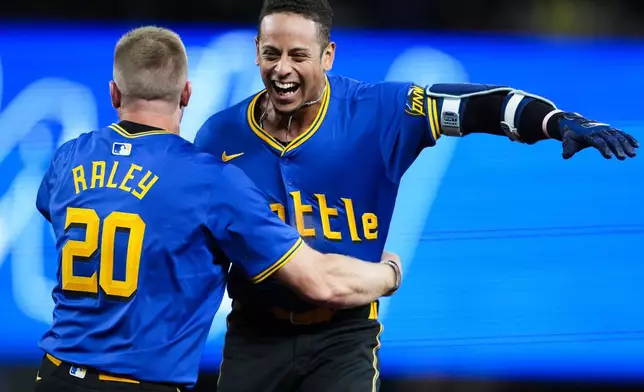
{"x": 620, "y": 143}
{"x": 631, "y": 140}
{"x": 571, "y": 145}
{"x": 608, "y": 142}
{"x": 627, "y": 145}
{"x": 568, "y": 152}
{"x": 600, "y": 144}
{"x": 613, "y": 143}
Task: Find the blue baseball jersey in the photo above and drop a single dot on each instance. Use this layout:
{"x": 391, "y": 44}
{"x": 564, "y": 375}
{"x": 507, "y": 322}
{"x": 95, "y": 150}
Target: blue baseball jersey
{"x": 145, "y": 227}
{"x": 337, "y": 182}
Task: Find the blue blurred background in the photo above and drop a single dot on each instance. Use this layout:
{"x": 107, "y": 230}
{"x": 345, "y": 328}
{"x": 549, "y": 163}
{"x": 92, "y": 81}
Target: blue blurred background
{"x": 523, "y": 271}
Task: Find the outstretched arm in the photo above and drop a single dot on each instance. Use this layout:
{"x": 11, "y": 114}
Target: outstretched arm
{"x": 460, "y": 109}
{"x": 409, "y": 118}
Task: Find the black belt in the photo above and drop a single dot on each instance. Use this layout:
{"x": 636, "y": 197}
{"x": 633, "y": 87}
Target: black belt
{"x": 310, "y": 317}
{"x": 91, "y": 377}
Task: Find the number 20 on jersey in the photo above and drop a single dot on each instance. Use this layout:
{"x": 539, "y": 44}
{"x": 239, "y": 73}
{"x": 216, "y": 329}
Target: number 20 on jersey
{"x": 83, "y": 251}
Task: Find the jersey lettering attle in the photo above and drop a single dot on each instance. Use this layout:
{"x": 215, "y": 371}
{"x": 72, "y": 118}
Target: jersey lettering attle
{"x": 145, "y": 227}
{"x": 337, "y": 182}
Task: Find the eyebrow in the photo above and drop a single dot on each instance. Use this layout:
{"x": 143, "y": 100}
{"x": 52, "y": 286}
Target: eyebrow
{"x": 298, "y": 49}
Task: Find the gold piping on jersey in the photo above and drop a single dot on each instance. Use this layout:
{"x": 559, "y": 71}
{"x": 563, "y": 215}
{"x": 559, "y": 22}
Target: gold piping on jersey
{"x": 375, "y": 359}
{"x": 432, "y": 113}
{"x": 121, "y": 131}
{"x": 279, "y": 263}
{"x": 298, "y": 141}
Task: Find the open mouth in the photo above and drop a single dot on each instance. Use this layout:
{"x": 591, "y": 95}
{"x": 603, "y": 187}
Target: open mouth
{"x": 285, "y": 89}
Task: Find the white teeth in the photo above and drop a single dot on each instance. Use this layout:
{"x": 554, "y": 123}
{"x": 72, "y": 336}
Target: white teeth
{"x": 284, "y": 85}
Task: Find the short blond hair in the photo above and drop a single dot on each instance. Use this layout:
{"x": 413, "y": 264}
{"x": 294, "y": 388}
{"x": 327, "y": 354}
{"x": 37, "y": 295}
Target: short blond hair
{"x": 150, "y": 63}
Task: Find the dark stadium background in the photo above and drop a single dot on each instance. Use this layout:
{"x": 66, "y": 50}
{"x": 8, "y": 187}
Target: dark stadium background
{"x": 596, "y": 18}
{"x": 591, "y": 17}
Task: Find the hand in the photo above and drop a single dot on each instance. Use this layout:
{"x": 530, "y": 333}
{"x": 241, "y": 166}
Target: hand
{"x": 578, "y": 133}
{"x": 388, "y": 257}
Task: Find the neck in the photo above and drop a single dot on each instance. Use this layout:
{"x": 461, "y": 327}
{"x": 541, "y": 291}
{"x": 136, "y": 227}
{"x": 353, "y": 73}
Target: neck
{"x": 293, "y": 123}
{"x": 154, "y": 116}
{"x": 287, "y": 126}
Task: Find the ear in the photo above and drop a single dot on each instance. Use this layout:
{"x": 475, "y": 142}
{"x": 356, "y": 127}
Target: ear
{"x": 257, "y": 50}
{"x": 185, "y": 95}
{"x": 328, "y": 56}
{"x": 115, "y": 95}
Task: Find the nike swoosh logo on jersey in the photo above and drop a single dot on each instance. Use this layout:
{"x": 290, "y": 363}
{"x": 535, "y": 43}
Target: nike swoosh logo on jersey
{"x": 227, "y": 158}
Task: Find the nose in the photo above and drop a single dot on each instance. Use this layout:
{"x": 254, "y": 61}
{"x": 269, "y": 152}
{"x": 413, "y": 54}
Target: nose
{"x": 283, "y": 67}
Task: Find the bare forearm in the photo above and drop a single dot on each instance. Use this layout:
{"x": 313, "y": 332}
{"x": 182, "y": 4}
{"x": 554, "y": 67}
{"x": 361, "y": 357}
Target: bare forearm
{"x": 338, "y": 281}
{"x": 352, "y": 282}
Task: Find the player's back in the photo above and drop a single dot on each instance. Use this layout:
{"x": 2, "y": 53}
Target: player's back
{"x": 137, "y": 287}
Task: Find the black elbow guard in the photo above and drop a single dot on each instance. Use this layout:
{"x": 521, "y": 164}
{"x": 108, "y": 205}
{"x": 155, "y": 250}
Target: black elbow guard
{"x": 528, "y": 118}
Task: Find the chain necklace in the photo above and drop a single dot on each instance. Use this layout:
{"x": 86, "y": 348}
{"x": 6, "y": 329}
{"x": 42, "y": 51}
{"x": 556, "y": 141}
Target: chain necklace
{"x": 290, "y": 118}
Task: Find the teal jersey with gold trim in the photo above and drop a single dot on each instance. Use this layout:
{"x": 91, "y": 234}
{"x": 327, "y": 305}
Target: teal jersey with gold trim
{"x": 337, "y": 182}
{"x": 145, "y": 229}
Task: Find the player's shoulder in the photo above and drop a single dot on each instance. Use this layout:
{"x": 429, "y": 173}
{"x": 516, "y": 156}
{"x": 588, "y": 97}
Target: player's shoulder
{"x": 223, "y": 179}
{"x": 343, "y": 87}
{"x": 218, "y": 124}
{"x": 204, "y": 163}
{"x": 232, "y": 115}
{"x": 65, "y": 150}
{"x": 350, "y": 89}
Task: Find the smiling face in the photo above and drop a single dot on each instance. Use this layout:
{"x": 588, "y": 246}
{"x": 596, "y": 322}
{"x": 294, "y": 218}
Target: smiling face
{"x": 292, "y": 60}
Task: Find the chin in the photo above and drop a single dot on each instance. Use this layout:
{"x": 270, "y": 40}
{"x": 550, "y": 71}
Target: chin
{"x": 286, "y": 104}
{"x": 286, "y": 109}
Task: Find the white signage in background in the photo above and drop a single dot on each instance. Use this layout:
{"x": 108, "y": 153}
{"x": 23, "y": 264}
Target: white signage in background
{"x": 22, "y": 230}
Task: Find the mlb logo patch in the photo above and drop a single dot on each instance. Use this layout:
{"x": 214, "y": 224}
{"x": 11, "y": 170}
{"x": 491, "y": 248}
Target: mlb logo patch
{"x": 121, "y": 149}
{"x": 77, "y": 372}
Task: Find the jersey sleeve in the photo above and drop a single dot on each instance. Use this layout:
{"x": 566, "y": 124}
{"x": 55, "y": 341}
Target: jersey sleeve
{"x": 407, "y": 124}
{"x": 246, "y": 230}
{"x": 43, "y": 196}
{"x": 205, "y": 138}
